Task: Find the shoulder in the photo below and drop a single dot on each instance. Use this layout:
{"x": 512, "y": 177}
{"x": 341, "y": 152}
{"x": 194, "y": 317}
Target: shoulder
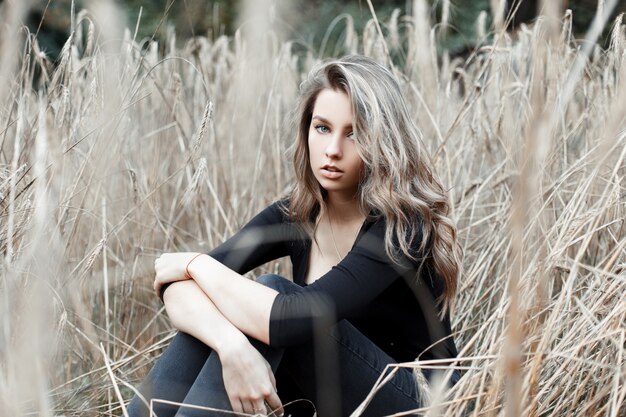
{"x": 418, "y": 260}
{"x": 378, "y": 225}
{"x": 379, "y": 241}
{"x": 276, "y": 220}
{"x": 276, "y": 212}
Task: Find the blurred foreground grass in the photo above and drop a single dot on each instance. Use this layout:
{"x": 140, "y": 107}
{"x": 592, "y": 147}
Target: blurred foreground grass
{"x": 121, "y": 152}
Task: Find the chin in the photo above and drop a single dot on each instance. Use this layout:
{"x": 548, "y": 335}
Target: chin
{"x": 337, "y": 188}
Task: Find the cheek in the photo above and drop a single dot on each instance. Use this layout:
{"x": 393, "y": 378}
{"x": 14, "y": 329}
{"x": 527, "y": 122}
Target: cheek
{"x": 361, "y": 168}
{"x": 314, "y": 147}
{"x": 357, "y": 162}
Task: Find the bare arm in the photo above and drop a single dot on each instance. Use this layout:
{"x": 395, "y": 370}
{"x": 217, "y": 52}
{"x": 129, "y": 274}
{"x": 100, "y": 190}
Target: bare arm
{"x": 248, "y": 378}
{"x": 192, "y": 312}
{"x": 245, "y": 303}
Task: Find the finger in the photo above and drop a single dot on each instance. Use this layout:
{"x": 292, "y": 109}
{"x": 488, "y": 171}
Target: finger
{"x": 258, "y": 407}
{"x": 248, "y": 407}
{"x": 272, "y": 378}
{"x": 244, "y": 408}
{"x": 235, "y": 404}
{"x": 275, "y": 404}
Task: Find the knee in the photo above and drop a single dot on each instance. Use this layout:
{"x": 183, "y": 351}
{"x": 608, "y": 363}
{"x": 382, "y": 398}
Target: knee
{"x": 273, "y": 281}
{"x": 278, "y": 283}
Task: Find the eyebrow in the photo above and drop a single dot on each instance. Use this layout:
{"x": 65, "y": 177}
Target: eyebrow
{"x": 324, "y": 120}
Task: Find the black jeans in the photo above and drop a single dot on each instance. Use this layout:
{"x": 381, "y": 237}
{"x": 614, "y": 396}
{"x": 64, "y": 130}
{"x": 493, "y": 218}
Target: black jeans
{"x": 336, "y": 373}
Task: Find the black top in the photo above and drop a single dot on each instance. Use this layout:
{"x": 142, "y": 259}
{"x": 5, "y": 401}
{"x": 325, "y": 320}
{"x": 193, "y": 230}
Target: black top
{"x": 386, "y": 301}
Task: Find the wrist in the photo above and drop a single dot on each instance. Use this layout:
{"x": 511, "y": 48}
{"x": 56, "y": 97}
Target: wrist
{"x": 231, "y": 344}
{"x": 206, "y": 272}
{"x": 201, "y": 262}
{"x": 188, "y": 274}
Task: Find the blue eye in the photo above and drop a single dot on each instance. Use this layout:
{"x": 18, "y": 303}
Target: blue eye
{"x": 322, "y": 129}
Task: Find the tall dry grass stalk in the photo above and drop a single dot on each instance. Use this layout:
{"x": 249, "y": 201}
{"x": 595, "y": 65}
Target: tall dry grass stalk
{"x": 127, "y": 148}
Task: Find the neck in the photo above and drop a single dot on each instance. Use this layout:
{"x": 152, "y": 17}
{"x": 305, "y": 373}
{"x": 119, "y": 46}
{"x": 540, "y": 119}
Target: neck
{"x": 343, "y": 208}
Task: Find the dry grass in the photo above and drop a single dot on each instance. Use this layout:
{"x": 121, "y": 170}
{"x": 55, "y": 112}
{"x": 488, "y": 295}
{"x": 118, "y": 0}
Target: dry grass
{"x": 122, "y": 151}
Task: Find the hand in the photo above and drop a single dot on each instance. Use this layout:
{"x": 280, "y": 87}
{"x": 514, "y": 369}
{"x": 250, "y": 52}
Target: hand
{"x": 171, "y": 267}
{"x": 249, "y": 381}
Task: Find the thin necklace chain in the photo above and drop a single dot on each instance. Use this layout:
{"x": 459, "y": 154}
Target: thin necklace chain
{"x": 332, "y": 235}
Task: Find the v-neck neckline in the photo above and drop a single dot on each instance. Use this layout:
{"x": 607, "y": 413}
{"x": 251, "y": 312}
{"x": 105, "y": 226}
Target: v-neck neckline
{"x": 309, "y": 246}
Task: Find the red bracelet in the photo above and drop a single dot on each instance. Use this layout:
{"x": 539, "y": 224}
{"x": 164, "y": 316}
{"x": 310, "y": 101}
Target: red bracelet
{"x": 187, "y": 274}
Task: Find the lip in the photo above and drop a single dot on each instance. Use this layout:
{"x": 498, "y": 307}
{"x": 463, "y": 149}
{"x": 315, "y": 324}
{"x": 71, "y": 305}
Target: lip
{"x": 331, "y": 168}
{"x": 331, "y": 172}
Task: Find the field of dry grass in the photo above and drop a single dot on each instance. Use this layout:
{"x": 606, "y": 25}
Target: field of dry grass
{"x": 126, "y": 149}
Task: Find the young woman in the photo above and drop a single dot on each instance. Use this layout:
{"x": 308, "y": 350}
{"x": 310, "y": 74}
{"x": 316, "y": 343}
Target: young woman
{"x": 375, "y": 265}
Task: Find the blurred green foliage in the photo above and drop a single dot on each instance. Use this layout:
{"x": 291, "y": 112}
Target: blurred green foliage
{"x": 308, "y": 26}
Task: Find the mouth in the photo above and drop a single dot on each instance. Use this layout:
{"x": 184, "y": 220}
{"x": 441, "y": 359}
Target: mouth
{"x": 331, "y": 168}
{"x": 331, "y": 172}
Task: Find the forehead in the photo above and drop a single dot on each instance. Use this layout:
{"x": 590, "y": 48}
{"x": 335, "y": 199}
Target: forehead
{"x": 333, "y": 105}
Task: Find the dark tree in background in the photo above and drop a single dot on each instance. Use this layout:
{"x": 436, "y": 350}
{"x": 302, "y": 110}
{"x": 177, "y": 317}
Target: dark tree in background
{"x": 51, "y": 20}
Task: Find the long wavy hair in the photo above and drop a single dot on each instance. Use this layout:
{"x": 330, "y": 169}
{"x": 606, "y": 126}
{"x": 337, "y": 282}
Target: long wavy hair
{"x": 398, "y": 181}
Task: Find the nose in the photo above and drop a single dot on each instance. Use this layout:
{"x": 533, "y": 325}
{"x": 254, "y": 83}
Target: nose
{"x": 333, "y": 148}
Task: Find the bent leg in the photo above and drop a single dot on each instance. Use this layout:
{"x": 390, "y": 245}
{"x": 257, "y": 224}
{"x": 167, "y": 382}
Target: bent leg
{"x": 360, "y": 363}
{"x": 190, "y": 372}
{"x": 338, "y": 371}
{"x": 208, "y": 388}
{"x": 278, "y": 283}
{"x": 172, "y": 376}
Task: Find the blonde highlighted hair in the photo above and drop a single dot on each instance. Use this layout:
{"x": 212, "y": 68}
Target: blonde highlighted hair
{"x": 398, "y": 182}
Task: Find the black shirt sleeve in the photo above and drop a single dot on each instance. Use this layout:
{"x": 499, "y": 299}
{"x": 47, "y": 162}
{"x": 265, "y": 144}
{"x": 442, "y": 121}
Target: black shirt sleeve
{"x": 348, "y": 287}
{"x": 262, "y": 239}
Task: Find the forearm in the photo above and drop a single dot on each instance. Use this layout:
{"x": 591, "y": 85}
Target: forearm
{"x": 245, "y": 303}
{"x": 192, "y": 311}
{"x": 248, "y": 378}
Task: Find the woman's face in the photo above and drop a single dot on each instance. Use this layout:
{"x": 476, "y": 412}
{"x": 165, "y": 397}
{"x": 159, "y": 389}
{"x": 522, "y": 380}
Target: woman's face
{"x": 333, "y": 156}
